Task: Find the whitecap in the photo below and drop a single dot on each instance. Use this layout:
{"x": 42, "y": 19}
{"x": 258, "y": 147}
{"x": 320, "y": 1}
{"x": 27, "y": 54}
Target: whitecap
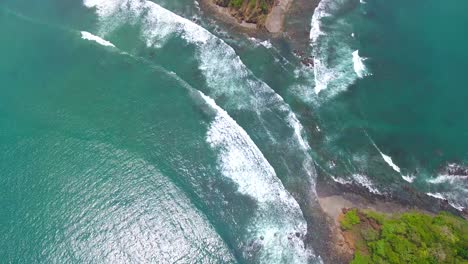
{"x": 267, "y": 44}
{"x": 385, "y": 157}
{"x": 241, "y": 161}
{"x": 364, "y": 181}
{"x": 99, "y": 40}
{"x": 436, "y": 195}
{"x": 408, "y": 178}
{"x": 455, "y": 186}
{"x": 332, "y": 71}
{"x": 389, "y": 161}
{"x": 341, "y": 180}
{"x": 441, "y": 196}
{"x": 448, "y": 179}
{"x": 359, "y": 67}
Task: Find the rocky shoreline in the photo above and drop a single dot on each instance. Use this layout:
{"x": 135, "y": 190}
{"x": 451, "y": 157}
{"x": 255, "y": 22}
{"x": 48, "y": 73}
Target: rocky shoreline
{"x": 335, "y": 199}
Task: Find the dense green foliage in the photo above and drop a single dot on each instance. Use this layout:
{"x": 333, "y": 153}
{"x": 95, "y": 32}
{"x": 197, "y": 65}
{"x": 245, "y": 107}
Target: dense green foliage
{"x": 350, "y": 218}
{"x": 236, "y": 3}
{"x": 262, "y": 4}
{"x": 407, "y": 238}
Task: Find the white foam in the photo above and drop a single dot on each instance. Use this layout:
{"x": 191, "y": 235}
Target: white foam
{"x": 335, "y": 70}
{"x": 319, "y": 13}
{"x": 408, "y": 178}
{"x": 341, "y": 181}
{"x": 386, "y": 158}
{"x": 389, "y": 161}
{"x": 267, "y": 44}
{"x": 457, "y": 186}
{"x": 359, "y": 67}
{"x": 450, "y": 198}
{"x": 457, "y": 206}
{"x": 436, "y": 195}
{"x": 91, "y": 37}
{"x": 242, "y": 161}
{"x": 364, "y": 181}
{"x": 447, "y": 179}
{"x": 322, "y": 76}
{"x": 315, "y": 33}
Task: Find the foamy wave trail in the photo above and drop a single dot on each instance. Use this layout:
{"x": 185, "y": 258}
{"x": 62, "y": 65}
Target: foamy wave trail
{"x": 336, "y": 64}
{"x": 364, "y": 181}
{"x": 453, "y": 188}
{"x": 453, "y": 179}
{"x": 91, "y": 37}
{"x": 449, "y": 197}
{"x": 279, "y": 225}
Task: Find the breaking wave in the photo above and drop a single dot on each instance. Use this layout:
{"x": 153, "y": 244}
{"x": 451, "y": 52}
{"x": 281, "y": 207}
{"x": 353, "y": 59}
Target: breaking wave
{"x": 91, "y": 37}
{"x": 336, "y": 64}
{"x": 279, "y": 226}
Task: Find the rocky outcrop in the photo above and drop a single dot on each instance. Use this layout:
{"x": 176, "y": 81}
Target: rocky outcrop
{"x": 456, "y": 170}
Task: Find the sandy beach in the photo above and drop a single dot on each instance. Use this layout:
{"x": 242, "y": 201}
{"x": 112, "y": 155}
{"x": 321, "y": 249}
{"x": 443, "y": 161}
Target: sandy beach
{"x": 275, "y": 20}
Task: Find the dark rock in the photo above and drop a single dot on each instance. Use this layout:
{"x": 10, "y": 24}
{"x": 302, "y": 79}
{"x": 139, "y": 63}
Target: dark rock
{"x": 456, "y": 170}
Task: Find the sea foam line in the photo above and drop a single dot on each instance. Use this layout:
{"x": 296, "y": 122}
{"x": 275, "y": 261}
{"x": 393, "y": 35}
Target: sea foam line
{"x": 364, "y": 181}
{"x": 440, "y": 196}
{"x": 99, "y": 40}
{"x": 389, "y": 161}
{"x": 334, "y": 71}
{"x": 242, "y": 161}
{"x": 447, "y": 179}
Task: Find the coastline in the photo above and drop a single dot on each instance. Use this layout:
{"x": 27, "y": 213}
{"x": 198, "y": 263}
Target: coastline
{"x": 334, "y": 199}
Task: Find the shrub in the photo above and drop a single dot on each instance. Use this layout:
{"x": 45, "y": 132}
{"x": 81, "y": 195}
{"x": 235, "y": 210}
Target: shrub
{"x": 236, "y": 3}
{"x": 361, "y": 259}
{"x": 350, "y": 219}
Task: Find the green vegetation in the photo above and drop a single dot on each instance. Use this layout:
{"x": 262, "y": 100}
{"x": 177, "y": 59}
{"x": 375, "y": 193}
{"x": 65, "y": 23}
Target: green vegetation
{"x": 350, "y": 219}
{"x": 262, "y": 5}
{"x": 236, "y": 3}
{"x": 407, "y": 238}
{"x": 252, "y": 11}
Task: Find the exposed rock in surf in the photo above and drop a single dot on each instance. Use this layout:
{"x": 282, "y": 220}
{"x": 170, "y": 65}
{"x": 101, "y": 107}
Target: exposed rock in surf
{"x": 304, "y": 58}
{"x": 454, "y": 169}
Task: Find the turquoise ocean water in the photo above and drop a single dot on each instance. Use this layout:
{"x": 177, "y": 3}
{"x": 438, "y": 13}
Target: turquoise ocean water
{"x": 135, "y": 131}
